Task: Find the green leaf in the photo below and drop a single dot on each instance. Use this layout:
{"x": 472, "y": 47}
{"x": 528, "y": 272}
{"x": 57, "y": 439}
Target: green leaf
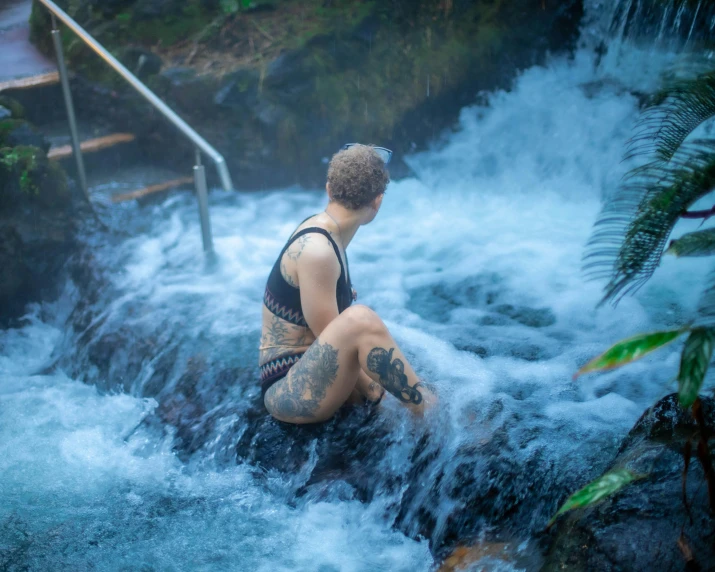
{"x": 700, "y": 243}
{"x": 629, "y": 350}
{"x": 597, "y": 490}
{"x": 694, "y": 363}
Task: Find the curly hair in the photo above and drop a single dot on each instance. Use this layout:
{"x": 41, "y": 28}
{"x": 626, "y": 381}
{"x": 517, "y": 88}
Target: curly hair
{"x": 356, "y": 176}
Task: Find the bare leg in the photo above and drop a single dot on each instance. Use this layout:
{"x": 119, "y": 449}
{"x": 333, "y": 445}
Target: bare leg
{"x": 328, "y": 372}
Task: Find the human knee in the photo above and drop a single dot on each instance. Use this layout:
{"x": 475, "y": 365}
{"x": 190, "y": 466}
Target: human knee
{"x": 362, "y": 319}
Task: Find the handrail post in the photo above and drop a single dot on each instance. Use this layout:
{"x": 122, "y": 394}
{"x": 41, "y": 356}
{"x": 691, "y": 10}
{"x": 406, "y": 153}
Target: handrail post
{"x": 202, "y": 197}
{"x": 57, "y": 40}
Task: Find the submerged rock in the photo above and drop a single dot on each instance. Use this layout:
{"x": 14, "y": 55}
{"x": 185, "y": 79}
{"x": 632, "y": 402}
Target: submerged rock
{"x": 646, "y": 526}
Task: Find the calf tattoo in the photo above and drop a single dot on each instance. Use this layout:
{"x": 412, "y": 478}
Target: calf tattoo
{"x": 307, "y": 383}
{"x": 392, "y": 375}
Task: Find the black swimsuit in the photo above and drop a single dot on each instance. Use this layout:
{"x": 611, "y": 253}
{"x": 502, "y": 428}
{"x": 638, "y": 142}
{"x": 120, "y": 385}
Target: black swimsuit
{"x": 283, "y": 300}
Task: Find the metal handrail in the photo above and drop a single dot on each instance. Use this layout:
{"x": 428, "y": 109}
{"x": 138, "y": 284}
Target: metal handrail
{"x": 185, "y": 128}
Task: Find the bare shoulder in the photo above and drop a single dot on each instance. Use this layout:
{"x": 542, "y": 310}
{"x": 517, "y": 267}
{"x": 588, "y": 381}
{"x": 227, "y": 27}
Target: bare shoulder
{"x": 312, "y": 246}
{"x": 319, "y": 255}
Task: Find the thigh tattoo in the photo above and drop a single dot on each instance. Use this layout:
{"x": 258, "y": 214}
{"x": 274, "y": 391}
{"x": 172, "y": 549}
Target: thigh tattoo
{"x": 392, "y": 375}
{"x": 307, "y": 383}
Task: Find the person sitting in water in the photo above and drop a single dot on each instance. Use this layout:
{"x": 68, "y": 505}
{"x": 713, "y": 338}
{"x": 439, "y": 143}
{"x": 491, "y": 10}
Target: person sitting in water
{"x": 317, "y": 350}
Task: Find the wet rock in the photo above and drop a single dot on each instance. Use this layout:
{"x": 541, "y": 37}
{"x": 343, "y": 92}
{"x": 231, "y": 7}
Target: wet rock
{"x": 16, "y": 275}
{"x": 141, "y": 62}
{"x": 16, "y": 132}
{"x": 349, "y": 447}
{"x": 435, "y": 302}
{"x": 640, "y": 527}
{"x": 240, "y": 90}
{"x": 493, "y": 341}
{"x": 182, "y": 87}
{"x": 531, "y": 317}
{"x": 13, "y": 106}
{"x": 38, "y": 222}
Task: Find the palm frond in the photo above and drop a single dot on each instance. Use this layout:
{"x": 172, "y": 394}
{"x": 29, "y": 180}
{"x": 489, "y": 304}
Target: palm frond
{"x": 671, "y": 115}
{"x": 629, "y": 237}
{"x": 698, "y": 243}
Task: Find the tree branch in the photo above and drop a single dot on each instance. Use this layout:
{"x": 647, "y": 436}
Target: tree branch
{"x": 699, "y": 214}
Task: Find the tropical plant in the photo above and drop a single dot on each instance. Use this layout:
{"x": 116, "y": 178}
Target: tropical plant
{"x": 630, "y": 238}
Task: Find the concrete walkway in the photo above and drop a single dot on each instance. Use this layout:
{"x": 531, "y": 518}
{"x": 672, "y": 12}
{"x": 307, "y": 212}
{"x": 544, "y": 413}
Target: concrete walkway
{"x": 21, "y": 64}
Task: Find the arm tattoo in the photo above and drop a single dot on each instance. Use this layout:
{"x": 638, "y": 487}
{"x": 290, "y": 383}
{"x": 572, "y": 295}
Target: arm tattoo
{"x": 307, "y": 383}
{"x": 286, "y": 276}
{"x": 294, "y": 253}
{"x": 392, "y": 375}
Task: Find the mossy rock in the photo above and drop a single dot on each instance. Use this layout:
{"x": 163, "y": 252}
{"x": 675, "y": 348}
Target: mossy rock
{"x": 14, "y": 132}
{"x": 17, "y": 111}
{"x": 27, "y": 176}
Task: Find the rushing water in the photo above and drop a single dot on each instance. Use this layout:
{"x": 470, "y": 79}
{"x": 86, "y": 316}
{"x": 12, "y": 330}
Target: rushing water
{"x": 474, "y": 264}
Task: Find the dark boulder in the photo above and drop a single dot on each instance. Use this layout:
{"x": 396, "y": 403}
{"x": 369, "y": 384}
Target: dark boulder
{"x": 39, "y": 215}
{"x": 141, "y": 62}
{"x": 646, "y": 526}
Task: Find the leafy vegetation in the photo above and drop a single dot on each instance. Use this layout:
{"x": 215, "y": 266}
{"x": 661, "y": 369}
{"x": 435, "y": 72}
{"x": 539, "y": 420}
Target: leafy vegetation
{"x": 22, "y": 161}
{"x": 26, "y": 169}
{"x": 629, "y": 241}
{"x": 629, "y": 350}
{"x": 597, "y": 490}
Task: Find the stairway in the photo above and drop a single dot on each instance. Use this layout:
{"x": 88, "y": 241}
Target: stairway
{"x": 113, "y": 159}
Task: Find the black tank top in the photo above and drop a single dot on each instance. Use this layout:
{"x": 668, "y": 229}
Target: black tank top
{"x": 283, "y": 299}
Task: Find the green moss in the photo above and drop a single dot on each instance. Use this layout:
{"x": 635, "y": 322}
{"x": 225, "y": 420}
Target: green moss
{"x": 7, "y": 126}
{"x": 26, "y": 169}
{"x": 369, "y": 96}
{"x": 170, "y": 29}
{"x": 17, "y": 110}
{"x": 22, "y": 162}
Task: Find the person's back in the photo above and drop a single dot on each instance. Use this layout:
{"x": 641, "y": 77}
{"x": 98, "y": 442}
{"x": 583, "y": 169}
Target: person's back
{"x": 314, "y": 353}
{"x": 285, "y": 330}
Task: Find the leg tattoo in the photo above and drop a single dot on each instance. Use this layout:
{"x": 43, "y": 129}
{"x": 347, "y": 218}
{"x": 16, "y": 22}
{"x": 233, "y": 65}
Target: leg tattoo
{"x": 392, "y": 375}
{"x": 307, "y": 383}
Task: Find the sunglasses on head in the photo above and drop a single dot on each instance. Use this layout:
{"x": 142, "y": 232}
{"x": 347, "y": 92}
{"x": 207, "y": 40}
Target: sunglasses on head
{"x": 385, "y": 154}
